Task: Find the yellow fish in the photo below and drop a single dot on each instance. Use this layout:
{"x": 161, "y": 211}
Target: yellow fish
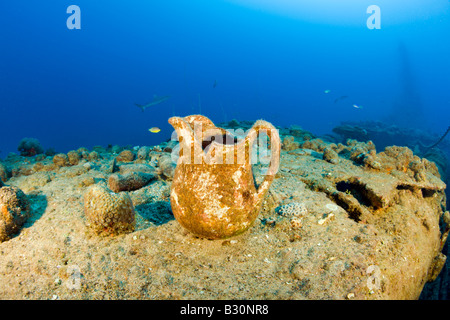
{"x": 154, "y": 130}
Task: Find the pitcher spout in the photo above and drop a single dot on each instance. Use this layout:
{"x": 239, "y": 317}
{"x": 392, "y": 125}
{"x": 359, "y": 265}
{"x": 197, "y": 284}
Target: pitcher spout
{"x": 190, "y": 148}
{"x": 183, "y": 130}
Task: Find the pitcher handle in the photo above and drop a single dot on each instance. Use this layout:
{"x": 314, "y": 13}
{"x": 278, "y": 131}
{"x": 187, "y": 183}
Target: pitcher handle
{"x": 275, "y": 147}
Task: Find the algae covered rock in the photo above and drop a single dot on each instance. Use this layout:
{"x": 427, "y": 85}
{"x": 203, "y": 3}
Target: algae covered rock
{"x": 36, "y": 180}
{"x": 83, "y": 152}
{"x": 116, "y": 149}
{"x": 330, "y": 155}
{"x": 14, "y": 210}
{"x": 129, "y": 181}
{"x": 73, "y": 157}
{"x": 131, "y": 177}
{"x": 143, "y": 152}
{"x": 289, "y": 144}
{"x": 170, "y": 146}
{"x": 107, "y": 212}
{"x": 126, "y": 156}
{"x": 4, "y": 173}
{"x": 93, "y": 156}
{"x": 61, "y": 160}
{"x": 166, "y": 167}
{"x": 314, "y": 144}
{"x": 296, "y": 131}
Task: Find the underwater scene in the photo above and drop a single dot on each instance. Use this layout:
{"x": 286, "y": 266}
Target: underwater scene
{"x": 224, "y": 150}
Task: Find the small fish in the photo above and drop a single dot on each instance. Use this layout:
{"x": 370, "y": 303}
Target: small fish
{"x": 327, "y": 91}
{"x": 215, "y": 84}
{"x": 340, "y": 98}
{"x": 357, "y": 107}
{"x": 154, "y": 130}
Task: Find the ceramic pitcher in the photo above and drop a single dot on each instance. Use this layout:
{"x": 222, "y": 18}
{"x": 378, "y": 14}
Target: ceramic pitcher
{"x": 213, "y": 193}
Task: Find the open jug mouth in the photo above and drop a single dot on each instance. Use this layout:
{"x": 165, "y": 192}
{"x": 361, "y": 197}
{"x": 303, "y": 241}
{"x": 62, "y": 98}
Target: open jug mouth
{"x": 223, "y": 139}
{"x": 201, "y": 142}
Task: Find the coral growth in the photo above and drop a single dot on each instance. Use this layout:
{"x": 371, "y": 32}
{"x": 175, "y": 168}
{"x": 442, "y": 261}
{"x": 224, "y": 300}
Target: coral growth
{"x": 30, "y": 147}
{"x": 107, "y": 212}
{"x": 50, "y": 152}
{"x": 292, "y": 209}
{"x": 14, "y": 210}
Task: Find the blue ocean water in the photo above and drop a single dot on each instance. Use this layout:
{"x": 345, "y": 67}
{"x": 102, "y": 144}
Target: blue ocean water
{"x": 308, "y": 63}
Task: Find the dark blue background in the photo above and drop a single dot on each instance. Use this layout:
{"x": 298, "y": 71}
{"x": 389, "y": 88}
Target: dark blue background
{"x": 74, "y": 88}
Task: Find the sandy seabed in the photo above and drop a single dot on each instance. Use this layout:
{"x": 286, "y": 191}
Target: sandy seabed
{"x": 327, "y": 230}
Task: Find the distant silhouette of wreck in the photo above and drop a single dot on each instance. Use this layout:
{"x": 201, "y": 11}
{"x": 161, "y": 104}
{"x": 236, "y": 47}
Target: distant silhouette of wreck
{"x": 407, "y": 110}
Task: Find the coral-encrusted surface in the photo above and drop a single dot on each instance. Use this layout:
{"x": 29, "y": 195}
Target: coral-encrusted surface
{"x": 14, "y": 210}
{"x": 108, "y": 212}
{"x": 364, "y": 225}
{"x": 217, "y": 198}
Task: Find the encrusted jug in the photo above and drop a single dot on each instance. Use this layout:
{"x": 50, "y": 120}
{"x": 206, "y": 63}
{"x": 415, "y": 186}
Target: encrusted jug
{"x": 213, "y": 192}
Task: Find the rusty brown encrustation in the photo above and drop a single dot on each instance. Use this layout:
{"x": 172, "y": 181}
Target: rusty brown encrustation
{"x": 213, "y": 193}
